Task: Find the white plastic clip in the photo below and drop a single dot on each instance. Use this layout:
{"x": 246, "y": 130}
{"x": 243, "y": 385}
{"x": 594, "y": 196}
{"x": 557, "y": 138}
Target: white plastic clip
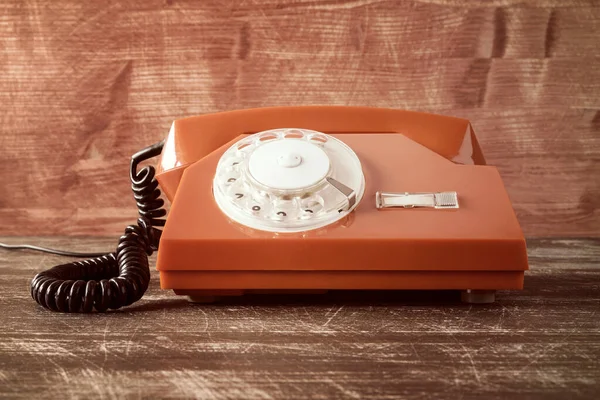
{"x": 439, "y": 200}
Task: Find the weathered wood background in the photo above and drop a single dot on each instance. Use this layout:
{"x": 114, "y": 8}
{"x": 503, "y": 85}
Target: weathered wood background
{"x": 539, "y": 343}
{"x": 83, "y": 85}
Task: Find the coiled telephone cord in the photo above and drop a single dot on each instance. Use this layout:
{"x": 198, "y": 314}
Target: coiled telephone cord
{"x": 116, "y": 279}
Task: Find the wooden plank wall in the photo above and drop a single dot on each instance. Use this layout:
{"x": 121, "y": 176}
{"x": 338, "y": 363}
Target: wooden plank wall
{"x": 83, "y": 85}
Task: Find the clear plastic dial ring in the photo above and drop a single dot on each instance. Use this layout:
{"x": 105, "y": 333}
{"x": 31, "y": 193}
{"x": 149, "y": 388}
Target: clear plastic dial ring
{"x": 280, "y": 180}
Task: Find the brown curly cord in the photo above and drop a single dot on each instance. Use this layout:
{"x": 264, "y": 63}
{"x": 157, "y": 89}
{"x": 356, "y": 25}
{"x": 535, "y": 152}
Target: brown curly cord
{"x": 116, "y": 279}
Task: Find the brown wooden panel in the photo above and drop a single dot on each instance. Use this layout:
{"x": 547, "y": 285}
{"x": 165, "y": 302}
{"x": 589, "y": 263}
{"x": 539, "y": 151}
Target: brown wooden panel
{"x": 542, "y": 342}
{"x": 83, "y": 85}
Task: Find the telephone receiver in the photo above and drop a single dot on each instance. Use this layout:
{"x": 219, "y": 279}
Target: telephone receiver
{"x": 306, "y": 199}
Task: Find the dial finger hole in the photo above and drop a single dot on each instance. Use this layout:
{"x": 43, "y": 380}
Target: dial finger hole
{"x": 293, "y": 134}
{"x": 318, "y": 139}
{"x": 285, "y": 209}
{"x": 230, "y": 178}
{"x": 312, "y": 205}
{"x": 268, "y": 136}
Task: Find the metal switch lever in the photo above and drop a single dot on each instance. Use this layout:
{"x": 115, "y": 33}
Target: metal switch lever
{"x": 438, "y": 200}
{"x": 345, "y": 190}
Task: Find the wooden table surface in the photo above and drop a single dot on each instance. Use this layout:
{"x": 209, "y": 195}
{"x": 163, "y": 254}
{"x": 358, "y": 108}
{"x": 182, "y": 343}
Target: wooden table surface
{"x": 543, "y": 342}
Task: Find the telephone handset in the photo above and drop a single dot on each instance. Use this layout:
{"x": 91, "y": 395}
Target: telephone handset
{"x": 307, "y": 198}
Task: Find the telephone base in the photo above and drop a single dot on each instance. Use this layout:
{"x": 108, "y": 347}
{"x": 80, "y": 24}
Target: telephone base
{"x": 210, "y": 286}
{"x": 214, "y": 296}
{"x": 478, "y": 296}
{"x": 399, "y": 236}
{"x": 199, "y": 299}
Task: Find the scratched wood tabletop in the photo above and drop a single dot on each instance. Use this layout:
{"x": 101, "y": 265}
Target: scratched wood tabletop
{"x": 543, "y": 342}
{"x": 85, "y": 84}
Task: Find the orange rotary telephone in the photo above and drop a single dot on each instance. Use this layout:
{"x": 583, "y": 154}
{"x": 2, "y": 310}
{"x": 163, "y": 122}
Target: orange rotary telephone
{"x": 309, "y": 199}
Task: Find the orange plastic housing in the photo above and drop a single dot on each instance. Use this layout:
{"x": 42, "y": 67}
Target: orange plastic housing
{"x": 478, "y": 246}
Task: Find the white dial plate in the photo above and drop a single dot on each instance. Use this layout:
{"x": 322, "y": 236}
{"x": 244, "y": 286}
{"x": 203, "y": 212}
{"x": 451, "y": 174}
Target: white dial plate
{"x": 290, "y": 164}
{"x": 278, "y": 180}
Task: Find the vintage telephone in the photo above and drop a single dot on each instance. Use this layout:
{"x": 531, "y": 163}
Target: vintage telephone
{"x": 307, "y": 199}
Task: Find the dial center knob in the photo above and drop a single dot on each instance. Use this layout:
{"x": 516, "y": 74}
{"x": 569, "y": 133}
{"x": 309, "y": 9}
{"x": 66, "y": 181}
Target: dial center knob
{"x": 289, "y": 160}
